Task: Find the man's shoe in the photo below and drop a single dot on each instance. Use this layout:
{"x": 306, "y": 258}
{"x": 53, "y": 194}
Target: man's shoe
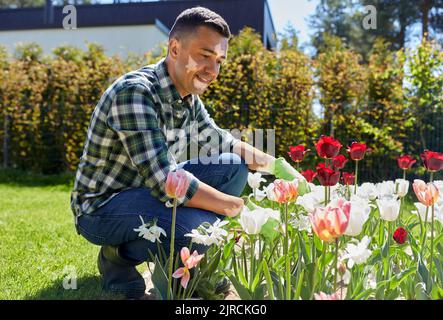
{"x": 223, "y": 286}
{"x": 119, "y": 274}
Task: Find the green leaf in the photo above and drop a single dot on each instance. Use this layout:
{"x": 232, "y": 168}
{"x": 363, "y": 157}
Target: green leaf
{"x": 228, "y": 249}
{"x": 159, "y": 279}
{"x": 257, "y": 277}
{"x": 242, "y": 291}
{"x": 268, "y": 230}
{"x": 422, "y": 270}
{"x": 420, "y": 291}
{"x": 268, "y": 278}
{"x": 395, "y": 281}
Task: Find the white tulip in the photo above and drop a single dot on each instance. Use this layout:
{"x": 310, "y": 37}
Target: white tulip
{"x": 254, "y": 180}
{"x": 357, "y": 253}
{"x": 252, "y": 221}
{"x": 402, "y": 187}
{"x": 270, "y": 192}
{"x": 360, "y": 210}
{"x": 389, "y": 208}
{"x": 385, "y": 189}
{"x": 421, "y": 210}
{"x": 367, "y": 191}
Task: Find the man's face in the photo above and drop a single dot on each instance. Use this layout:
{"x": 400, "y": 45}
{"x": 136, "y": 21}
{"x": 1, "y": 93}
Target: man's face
{"x": 197, "y": 59}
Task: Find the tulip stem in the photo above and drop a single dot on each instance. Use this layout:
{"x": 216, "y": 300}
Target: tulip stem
{"x": 428, "y": 285}
{"x": 356, "y": 177}
{"x": 287, "y": 266}
{"x": 432, "y": 249}
{"x": 171, "y": 247}
{"x": 404, "y": 174}
{"x": 336, "y": 265}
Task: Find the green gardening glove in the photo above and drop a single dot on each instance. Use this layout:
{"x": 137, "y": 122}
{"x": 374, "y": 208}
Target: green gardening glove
{"x": 281, "y": 169}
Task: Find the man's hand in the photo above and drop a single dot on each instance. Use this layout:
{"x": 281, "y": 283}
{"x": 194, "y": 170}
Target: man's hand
{"x": 256, "y": 159}
{"x": 209, "y": 198}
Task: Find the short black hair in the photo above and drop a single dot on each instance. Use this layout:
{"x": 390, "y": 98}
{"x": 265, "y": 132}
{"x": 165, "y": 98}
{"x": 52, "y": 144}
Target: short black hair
{"x": 189, "y": 20}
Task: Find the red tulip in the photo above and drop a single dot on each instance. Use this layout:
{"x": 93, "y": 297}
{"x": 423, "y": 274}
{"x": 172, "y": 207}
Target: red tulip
{"x": 328, "y": 147}
{"x": 405, "y": 162}
{"x": 326, "y": 176}
{"x": 339, "y": 162}
{"x": 309, "y": 175}
{"x": 357, "y": 151}
{"x": 297, "y": 153}
{"x": 348, "y": 178}
{"x": 433, "y": 161}
{"x": 400, "y": 235}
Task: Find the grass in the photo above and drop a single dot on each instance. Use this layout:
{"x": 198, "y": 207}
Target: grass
{"x": 39, "y": 242}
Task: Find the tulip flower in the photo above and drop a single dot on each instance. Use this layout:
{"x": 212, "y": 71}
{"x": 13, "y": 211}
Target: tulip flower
{"x": 326, "y": 176}
{"x": 324, "y": 296}
{"x": 360, "y": 210}
{"x": 177, "y": 183}
{"x": 433, "y": 161}
{"x": 331, "y": 222}
{"x": 400, "y": 235}
{"x": 309, "y": 175}
{"x": 405, "y": 162}
{"x": 426, "y": 193}
{"x": 401, "y": 187}
{"x": 285, "y": 191}
{"x": 357, "y": 151}
{"x": 176, "y": 186}
{"x": 297, "y": 152}
{"x": 389, "y": 208}
{"x": 339, "y": 162}
{"x": 253, "y": 220}
{"x": 328, "y": 147}
{"x": 254, "y": 180}
{"x": 348, "y": 178}
{"x": 189, "y": 261}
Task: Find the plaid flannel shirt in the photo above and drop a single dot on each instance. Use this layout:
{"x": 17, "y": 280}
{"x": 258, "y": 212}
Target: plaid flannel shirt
{"x": 132, "y": 138}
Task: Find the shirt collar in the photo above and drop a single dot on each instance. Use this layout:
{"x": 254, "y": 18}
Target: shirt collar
{"x": 169, "y": 91}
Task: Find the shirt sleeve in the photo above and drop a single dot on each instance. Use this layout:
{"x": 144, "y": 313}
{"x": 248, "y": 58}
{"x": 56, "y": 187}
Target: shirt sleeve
{"x": 210, "y": 135}
{"x": 132, "y": 116}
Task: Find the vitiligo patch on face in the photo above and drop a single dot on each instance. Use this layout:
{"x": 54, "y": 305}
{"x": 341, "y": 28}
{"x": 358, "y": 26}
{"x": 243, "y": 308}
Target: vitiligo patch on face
{"x": 220, "y": 50}
{"x": 191, "y": 66}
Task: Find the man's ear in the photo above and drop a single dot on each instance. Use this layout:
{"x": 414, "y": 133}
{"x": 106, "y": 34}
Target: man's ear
{"x": 174, "y": 47}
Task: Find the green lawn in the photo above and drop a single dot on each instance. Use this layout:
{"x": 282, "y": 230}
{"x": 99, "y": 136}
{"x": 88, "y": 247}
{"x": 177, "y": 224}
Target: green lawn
{"x": 39, "y": 242}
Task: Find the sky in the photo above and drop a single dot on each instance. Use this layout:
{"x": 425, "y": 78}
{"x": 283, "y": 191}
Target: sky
{"x": 295, "y": 12}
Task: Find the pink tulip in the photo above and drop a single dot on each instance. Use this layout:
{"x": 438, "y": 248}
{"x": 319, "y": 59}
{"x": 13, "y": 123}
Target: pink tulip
{"x": 331, "y": 222}
{"x": 324, "y": 296}
{"x": 285, "y": 191}
{"x": 189, "y": 261}
{"x": 427, "y": 194}
{"x": 177, "y": 184}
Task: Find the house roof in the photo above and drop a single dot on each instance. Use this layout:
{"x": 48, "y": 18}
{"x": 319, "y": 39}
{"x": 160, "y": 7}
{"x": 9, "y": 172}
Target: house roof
{"x": 238, "y": 14}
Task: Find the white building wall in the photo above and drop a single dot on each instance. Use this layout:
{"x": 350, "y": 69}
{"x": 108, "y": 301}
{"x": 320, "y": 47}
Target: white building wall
{"x": 115, "y": 39}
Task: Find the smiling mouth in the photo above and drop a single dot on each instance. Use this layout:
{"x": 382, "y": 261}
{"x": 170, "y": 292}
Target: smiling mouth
{"x": 205, "y": 81}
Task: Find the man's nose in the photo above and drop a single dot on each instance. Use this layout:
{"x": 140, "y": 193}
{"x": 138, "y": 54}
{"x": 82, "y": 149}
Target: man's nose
{"x": 213, "y": 68}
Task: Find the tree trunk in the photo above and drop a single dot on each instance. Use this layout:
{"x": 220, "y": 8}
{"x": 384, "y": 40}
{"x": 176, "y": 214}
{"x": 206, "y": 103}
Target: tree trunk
{"x": 426, "y": 7}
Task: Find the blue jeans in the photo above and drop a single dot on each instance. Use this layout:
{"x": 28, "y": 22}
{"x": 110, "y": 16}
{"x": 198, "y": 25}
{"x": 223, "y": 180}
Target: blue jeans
{"x": 114, "y": 223}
